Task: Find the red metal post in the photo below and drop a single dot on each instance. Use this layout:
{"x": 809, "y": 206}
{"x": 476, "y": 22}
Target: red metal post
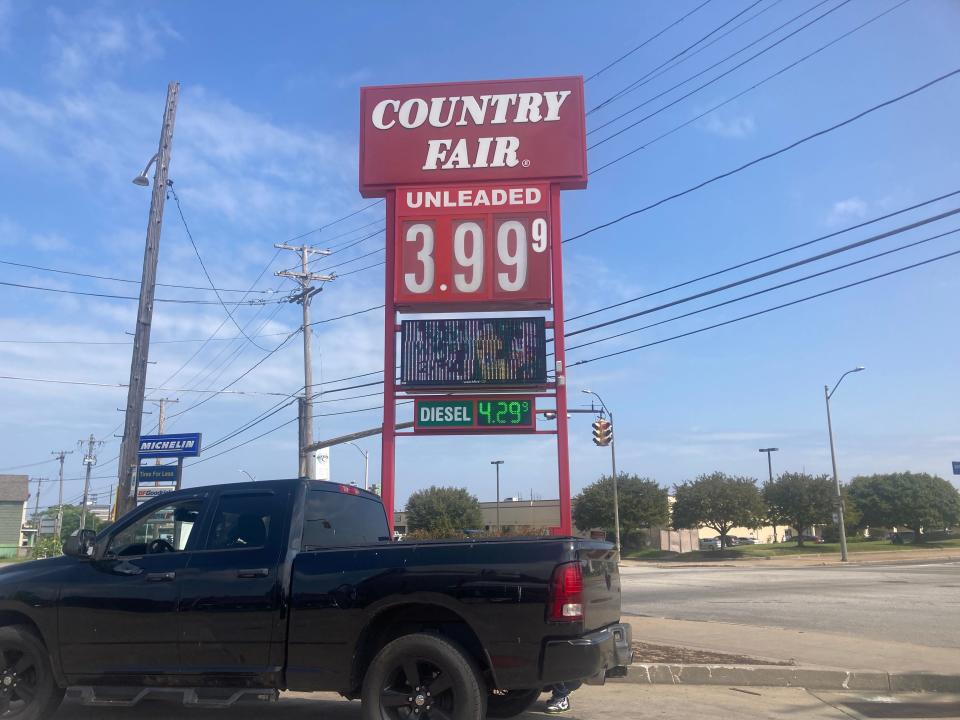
{"x": 559, "y": 351}
{"x": 388, "y": 445}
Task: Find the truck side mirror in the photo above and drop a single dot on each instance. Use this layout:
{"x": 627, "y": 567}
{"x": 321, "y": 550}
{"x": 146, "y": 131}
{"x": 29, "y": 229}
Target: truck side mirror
{"x": 80, "y": 544}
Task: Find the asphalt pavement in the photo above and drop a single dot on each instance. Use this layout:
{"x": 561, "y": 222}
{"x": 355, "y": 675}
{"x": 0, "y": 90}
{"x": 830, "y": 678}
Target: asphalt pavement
{"x": 612, "y": 702}
{"x": 915, "y": 603}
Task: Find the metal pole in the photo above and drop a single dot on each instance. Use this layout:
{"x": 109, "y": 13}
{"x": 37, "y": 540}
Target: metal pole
{"x": 388, "y": 438}
{"x": 366, "y": 469}
{"x": 61, "y": 455}
{"x": 616, "y": 491}
{"x": 769, "y": 451}
{"x": 497, "y": 464}
{"x": 560, "y": 367}
{"x": 141, "y": 338}
{"x": 836, "y": 480}
{"x": 162, "y": 415}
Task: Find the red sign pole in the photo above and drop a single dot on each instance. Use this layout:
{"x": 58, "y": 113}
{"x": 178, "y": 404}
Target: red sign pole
{"x": 388, "y": 447}
{"x": 559, "y": 351}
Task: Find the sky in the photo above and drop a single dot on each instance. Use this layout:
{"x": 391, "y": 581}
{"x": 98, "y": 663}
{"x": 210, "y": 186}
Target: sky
{"x": 265, "y": 150}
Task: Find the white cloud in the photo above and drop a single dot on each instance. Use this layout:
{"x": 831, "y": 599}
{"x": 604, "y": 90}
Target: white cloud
{"x": 852, "y": 208}
{"x": 736, "y": 127}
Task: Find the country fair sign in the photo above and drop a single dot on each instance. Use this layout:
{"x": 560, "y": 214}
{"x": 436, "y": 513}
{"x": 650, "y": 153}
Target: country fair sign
{"x": 508, "y": 130}
{"x": 471, "y": 174}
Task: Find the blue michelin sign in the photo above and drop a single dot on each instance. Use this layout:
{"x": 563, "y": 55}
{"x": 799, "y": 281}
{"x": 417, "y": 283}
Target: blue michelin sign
{"x": 956, "y": 467}
{"x": 161, "y": 446}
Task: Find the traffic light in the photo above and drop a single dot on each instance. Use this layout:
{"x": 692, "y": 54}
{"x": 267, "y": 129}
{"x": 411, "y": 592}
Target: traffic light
{"x": 602, "y": 432}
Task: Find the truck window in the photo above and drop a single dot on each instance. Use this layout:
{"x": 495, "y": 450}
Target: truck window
{"x": 165, "y": 529}
{"x": 336, "y": 519}
{"x": 244, "y": 521}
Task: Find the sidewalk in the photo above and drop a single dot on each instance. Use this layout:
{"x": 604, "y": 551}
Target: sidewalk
{"x": 812, "y": 559}
{"x": 826, "y": 650}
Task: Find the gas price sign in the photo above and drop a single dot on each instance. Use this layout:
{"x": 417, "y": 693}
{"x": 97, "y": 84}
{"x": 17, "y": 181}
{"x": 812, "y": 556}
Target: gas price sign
{"x": 460, "y": 414}
{"x": 466, "y": 247}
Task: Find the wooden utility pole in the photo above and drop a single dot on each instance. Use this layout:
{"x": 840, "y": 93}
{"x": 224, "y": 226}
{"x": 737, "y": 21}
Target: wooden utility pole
{"x": 305, "y": 279}
{"x": 126, "y": 499}
{"x": 162, "y": 403}
{"x": 89, "y": 459}
{"x": 36, "y": 502}
{"x": 61, "y": 455}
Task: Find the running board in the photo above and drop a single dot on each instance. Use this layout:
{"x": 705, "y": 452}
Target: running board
{"x": 193, "y": 697}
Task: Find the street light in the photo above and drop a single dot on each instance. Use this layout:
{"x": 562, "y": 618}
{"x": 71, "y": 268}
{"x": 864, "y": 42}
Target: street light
{"x": 498, "y": 463}
{"x": 142, "y": 180}
{"x": 613, "y": 462}
{"x": 366, "y": 463}
{"x": 768, "y": 451}
{"x": 827, "y": 394}
{"x": 253, "y": 478}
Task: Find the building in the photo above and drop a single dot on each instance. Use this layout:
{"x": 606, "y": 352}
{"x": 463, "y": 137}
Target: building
{"x": 515, "y": 514}
{"x": 14, "y": 493}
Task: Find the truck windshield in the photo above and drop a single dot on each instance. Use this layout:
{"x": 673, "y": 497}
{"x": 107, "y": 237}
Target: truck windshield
{"x": 335, "y": 519}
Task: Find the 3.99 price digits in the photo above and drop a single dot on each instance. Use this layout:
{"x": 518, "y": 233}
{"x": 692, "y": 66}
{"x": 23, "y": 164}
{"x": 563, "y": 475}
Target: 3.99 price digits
{"x": 457, "y": 260}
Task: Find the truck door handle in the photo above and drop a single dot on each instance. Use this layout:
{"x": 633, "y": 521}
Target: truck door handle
{"x": 253, "y": 573}
{"x": 161, "y": 576}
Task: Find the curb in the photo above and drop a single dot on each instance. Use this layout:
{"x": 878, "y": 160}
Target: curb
{"x": 813, "y": 678}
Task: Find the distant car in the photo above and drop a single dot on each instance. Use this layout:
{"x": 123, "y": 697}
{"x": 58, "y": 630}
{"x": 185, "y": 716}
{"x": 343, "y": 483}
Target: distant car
{"x": 815, "y": 539}
{"x": 709, "y": 544}
{"x": 746, "y": 541}
{"x": 731, "y": 540}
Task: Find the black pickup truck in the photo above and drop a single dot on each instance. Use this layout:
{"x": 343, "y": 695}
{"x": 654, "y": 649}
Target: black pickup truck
{"x": 230, "y": 593}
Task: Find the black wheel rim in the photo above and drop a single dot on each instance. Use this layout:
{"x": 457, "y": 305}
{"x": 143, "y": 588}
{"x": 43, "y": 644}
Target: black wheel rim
{"x": 19, "y": 678}
{"x": 418, "y": 689}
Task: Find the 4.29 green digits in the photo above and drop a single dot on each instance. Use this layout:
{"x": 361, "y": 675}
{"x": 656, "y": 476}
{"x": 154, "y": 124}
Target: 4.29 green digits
{"x": 503, "y": 412}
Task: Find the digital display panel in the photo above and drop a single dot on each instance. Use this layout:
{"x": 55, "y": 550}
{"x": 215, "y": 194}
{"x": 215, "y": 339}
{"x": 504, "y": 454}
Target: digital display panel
{"x": 496, "y": 352}
{"x": 467, "y": 414}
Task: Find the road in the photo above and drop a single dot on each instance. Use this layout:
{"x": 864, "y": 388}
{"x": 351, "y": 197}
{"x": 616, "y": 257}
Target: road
{"x": 613, "y": 702}
{"x": 913, "y": 603}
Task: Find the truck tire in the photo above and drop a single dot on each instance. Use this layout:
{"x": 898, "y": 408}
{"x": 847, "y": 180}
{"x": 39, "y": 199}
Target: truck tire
{"x": 28, "y": 690}
{"x": 509, "y": 703}
{"x": 423, "y": 677}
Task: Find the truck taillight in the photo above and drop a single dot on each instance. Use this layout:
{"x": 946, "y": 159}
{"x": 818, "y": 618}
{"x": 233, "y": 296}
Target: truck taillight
{"x": 566, "y": 593}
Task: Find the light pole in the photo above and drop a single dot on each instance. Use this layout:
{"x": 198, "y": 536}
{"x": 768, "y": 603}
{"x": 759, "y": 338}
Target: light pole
{"x": 827, "y": 394}
{"x": 613, "y": 462}
{"x": 768, "y": 451}
{"x": 498, "y": 463}
{"x": 253, "y": 478}
{"x": 366, "y": 463}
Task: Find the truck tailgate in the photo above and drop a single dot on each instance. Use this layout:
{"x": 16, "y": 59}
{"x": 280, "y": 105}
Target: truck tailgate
{"x": 601, "y": 585}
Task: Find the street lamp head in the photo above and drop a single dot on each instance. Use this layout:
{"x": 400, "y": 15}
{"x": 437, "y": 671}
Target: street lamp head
{"x": 587, "y": 391}
{"x": 496, "y": 462}
{"x": 769, "y": 449}
{"x": 858, "y": 368}
{"x": 141, "y": 180}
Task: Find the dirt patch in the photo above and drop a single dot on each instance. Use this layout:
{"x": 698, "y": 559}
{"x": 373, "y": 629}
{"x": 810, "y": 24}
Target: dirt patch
{"x": 649, "y": 653}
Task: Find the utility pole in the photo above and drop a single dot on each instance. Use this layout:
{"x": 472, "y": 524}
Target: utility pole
{"x": 305, "y": 279}
{"x": 769, "y": 451}
{"x": 36, "y": 502}
{"x": 141, "y": 339}
{"x": 498, "y": 463}
{"x": 61, "y": 455}
{"x": 89, "y": 459}
{"x": 162, "y": 403}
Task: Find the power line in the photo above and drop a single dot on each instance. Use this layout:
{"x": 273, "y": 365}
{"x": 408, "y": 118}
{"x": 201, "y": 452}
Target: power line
{"x": 774, "y": 271}
{"x": 670, "y": 89}
{"x": 333, "y": 222}
{"x": 28, "y": 465}
{"x": 766, "y": 310}
{"x": 770, "y": 289}
{"x": 110, "y": 296}
{"x": 768, "y": 156}
{"x": 203, "y": 266}
{"x": 740, "y": 94}
{"x": 646, "y": 42}
{"x": 57, "y": 381}
{"x": 632, "y": 86}
{"x": 124, "y": 280}
{"x": 752, "y": 261}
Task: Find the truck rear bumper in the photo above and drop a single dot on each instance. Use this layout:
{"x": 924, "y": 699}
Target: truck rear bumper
{"x": 590, "y": 658}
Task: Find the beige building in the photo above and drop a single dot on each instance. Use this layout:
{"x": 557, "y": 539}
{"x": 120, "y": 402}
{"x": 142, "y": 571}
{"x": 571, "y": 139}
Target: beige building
{"x": 514, "y": 513}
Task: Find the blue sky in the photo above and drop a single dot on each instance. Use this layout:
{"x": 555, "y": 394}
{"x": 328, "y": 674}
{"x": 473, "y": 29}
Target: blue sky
{"x": 265, "y": 149}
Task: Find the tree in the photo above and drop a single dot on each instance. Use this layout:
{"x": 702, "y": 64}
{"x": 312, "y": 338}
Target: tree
{"x": 443, "y": 511}
{"x": 800, "y": 500}
{"x": 918, "y": 501}
{"x": 71, "y": 519}
{"x": 720, "y": 502}
{"x": 642, "y": 501}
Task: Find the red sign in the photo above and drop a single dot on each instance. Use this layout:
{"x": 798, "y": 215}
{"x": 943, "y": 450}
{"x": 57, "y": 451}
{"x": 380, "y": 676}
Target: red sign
{"x": 509, "y": 130}
{"x": 470, "y": 246}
